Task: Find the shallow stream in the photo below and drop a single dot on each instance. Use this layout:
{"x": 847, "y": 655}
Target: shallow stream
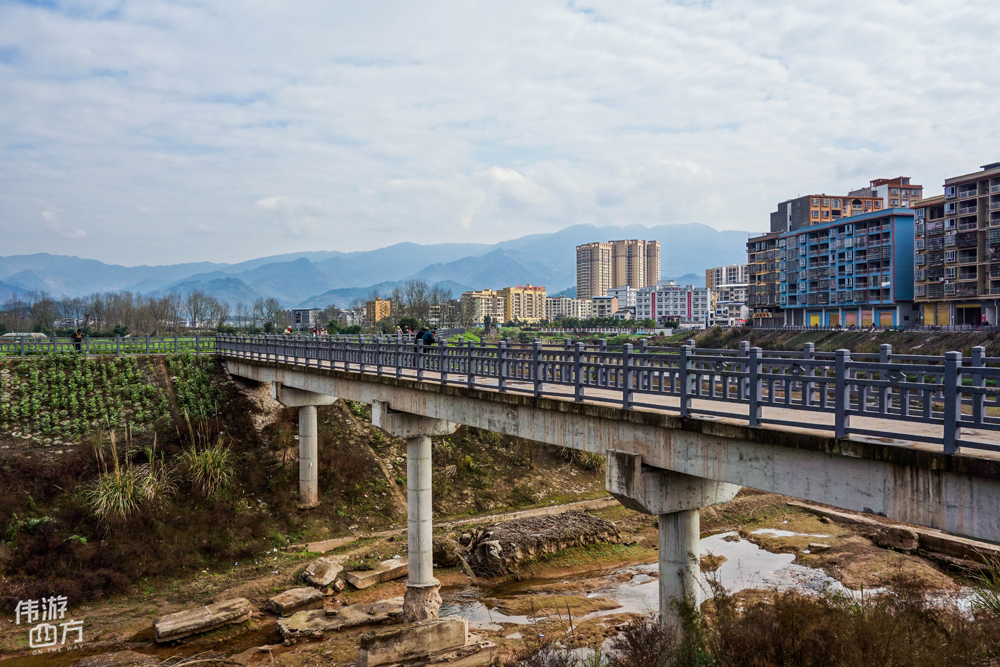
{"x": 636, "y": 587}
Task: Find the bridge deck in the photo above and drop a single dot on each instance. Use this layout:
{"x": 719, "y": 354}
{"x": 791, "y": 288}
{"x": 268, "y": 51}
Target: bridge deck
{"x": 793, "y": 420}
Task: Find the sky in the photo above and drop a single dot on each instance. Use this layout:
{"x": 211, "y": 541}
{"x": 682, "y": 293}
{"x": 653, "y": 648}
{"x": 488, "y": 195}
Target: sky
{"x": 162, "y": 132}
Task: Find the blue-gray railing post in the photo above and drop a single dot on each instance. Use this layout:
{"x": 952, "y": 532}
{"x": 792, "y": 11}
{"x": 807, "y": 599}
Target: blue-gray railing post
{"x": 471, "y": 361}
{"x": 21, "y": 341}
{"x": 420, "y": 360}
{"x": 884, "y": 357}
{"x": 118, "y": 346}
{"x": 398, "y": 356}
{"x": 756, "y": 386}
{"x": 602, "y": 345}
{"x": 442, "y": 358}
{"x": 88, "y": 344}
{"x": 197, "y": 343}
{"x": 626, "y": 376}
{"x": 175, "y": 343}
{"x": 502, "y": 364}
{"x": 536, "y": 365}
{"x": 808, "y": 352}
{"x": 685, "y": 378}
{"x": 842, "y": 394}
{"x": 692, "y": 343}
{"x": 744, "y": 367}
{"x": 952, "y": 400}
{"x": 978, "y": 380}
{"x": 378, "y": 356}
{"x": 147, "y": 344}
{"x": 578, "y": 373}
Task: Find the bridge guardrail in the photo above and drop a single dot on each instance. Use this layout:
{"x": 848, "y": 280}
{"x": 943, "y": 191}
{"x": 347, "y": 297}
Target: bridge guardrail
{"x": 948, "y": 393}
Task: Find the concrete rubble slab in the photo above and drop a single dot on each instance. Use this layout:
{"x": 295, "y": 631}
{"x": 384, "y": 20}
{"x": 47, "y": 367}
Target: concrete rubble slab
{"x": 288, "y": 602}
{"x": 316, "y": 622}
{"x": 413, "y": 641}
{"x": 203, "y": 619}
{"x": 387, "y": 570}
{"x": 322, "y": 571}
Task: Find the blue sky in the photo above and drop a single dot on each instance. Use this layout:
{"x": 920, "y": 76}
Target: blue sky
{"x": 161, "y": 132}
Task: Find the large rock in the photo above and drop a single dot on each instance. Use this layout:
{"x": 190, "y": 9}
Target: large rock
{"x": 322, "y": 571}
{"x": 411, "y": 642}
{"x": 498, "y": 548}
{"x": 195, "y": 621}
{"x": 314, "y": 623}
{"x": 899, "y": 538}
{"x": 387, "y": 570}
{"x": 447, "y": 552}
{"x": 295, "y": 599}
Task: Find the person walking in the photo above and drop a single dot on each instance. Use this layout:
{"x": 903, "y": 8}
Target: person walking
{"x": 77, "y": 339}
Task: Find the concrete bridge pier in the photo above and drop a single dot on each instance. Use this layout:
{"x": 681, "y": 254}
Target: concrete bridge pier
{"x": 422, "y": 600}
{"x": 306, "y": 402}
{"x": 675, "y": 498}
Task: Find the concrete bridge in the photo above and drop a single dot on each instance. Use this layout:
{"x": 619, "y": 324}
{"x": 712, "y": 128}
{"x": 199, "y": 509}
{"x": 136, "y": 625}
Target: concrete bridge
{"x": 681, "y": 428}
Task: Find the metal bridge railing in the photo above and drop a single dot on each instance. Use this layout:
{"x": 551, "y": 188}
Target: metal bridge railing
{"x": 958, "y": 398}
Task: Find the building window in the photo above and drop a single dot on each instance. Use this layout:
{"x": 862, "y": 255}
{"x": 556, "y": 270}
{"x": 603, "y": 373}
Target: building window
{"x": 826, "y": 214}
{"x": 826, "y": 202}
{"x": 878, "y": 204}
{"x": 815, "y": 214}
{"x": 893, "y": 202}
{"x": 815, "y": 202}
{"x": 894, "y": 191}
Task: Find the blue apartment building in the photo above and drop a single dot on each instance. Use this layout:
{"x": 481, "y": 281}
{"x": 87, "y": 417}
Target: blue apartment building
{"x": 853, "y": 271}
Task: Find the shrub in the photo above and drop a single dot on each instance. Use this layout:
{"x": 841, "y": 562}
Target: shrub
{"x": 210, "y": 470}
{"x": 987, "y": 588}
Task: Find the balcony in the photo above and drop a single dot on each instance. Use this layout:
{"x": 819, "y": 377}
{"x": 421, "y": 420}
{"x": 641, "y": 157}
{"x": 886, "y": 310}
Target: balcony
{"x": 968, "y": 193}
{"x": 994, "y": 205}
{"x": 994, "y": 188}
{"x": 966, "y": 210}
{"x": 965, "y": 289}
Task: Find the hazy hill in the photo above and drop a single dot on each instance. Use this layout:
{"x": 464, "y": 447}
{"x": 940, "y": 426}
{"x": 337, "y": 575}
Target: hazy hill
{"x": 317, "y": 276}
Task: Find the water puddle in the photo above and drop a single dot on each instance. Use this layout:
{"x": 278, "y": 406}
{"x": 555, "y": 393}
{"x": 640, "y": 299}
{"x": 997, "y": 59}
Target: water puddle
{"x": 775, "y": 532}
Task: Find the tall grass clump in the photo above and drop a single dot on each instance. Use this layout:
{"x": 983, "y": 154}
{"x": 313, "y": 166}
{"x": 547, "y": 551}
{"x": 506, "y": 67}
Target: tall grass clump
{"x": 121, "y": 490}
{"x": 987, "y": 588}
{"x": 210, "y": 469}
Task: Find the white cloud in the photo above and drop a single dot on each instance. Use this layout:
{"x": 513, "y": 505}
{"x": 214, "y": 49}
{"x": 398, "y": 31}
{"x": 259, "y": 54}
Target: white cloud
{"x": 164, "y": 132}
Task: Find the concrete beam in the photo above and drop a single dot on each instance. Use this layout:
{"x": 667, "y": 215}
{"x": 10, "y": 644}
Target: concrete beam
{"x": 406, "y": 425}
{"x": 655, "y": 491}
{"x": 958, "y": 493}
{"x": 291, "y": 397}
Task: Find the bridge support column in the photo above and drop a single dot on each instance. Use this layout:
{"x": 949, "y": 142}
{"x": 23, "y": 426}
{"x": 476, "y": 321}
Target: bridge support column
{"x": 422, "y": 600}
{"x": 306, "y": 402}
{"x": 675, "y": 498}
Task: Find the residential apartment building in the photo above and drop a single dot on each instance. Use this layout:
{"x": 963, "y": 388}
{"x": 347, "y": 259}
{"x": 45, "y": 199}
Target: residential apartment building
{"x": 476, "y": 305}
{"x": 763, "y": 272}
{"x": 957, "y": 246}
{"x": 559, "y": 307}
{"x": 377, "y": 310}
{"x": 732, "y": 274}
{"x": 606, "y": 265}
{"x": 894, "y": 192}
{"x": 525, "y": 304}
{"x": 669, "y": 301}
{"x": 809, "y": 210}
{"x": 852, "y": 272}
{"x": 625, "y": 294}
{"x": 446, "y": 314}
{"x": 605, "y": 307}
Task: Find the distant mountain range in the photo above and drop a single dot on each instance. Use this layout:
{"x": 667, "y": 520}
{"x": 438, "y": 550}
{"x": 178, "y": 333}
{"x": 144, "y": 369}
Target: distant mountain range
{"x": 318, "y": 279}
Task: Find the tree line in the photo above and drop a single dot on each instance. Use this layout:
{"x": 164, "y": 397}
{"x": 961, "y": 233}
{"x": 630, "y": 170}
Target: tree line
{"x": 132, "y": 313}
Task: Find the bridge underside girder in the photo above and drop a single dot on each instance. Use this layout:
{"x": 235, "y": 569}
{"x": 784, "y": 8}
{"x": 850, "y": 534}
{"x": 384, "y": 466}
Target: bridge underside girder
{"x": 956, "y": 493}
